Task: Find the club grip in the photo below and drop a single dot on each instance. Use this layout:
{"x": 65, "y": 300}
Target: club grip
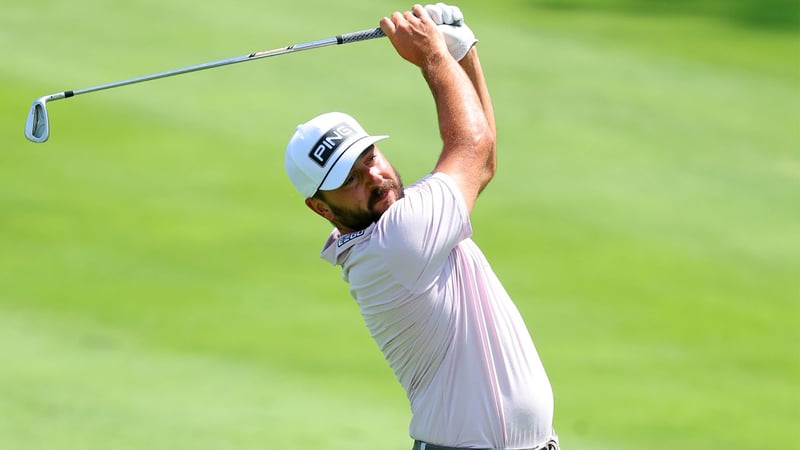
{"x": 360, "y": 36}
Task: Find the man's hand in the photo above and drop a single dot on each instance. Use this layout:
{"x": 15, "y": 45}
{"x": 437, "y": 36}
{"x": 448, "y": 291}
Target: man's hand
{"x": 457, "y": 35}
{"x": 415, "y": 36}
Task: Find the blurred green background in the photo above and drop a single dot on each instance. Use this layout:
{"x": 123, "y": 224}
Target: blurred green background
{"x": 160, "y": 285}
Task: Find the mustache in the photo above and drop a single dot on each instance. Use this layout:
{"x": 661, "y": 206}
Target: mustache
{"x": 378, "y": 193}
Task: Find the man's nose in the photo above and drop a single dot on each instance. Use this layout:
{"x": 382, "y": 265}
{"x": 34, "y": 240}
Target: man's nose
{"x": 374, "y": 176}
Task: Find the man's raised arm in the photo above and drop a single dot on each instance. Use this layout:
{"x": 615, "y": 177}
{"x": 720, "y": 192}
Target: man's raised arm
{"x": 461, "y": 97}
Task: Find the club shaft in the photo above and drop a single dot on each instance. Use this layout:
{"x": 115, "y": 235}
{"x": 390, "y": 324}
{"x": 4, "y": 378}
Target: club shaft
{"x": 341, "y": 39}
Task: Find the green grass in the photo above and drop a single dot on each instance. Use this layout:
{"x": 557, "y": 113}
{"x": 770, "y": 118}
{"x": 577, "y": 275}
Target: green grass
{"x": 160, "y": 285}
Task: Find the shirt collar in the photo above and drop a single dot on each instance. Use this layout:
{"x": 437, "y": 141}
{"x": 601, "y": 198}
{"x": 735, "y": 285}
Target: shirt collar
{"x": 338, "y": 244}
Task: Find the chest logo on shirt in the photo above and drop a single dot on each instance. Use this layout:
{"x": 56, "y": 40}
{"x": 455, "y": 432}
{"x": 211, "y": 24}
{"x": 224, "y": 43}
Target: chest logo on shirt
{"x": 349, "y": 237}
{"x": 326, "y": 146}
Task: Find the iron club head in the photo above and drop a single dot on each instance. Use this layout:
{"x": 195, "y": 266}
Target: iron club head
{"x": 37, "y": 127}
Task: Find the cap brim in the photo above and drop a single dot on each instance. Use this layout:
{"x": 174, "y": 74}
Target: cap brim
{"x": 341, "y": 168}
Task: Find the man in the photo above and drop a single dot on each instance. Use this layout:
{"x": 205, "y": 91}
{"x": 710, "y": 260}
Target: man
{"x": 445, "y": 324}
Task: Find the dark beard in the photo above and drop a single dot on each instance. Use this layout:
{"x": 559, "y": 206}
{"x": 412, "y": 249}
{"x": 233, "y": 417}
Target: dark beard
{"x": 360, "y": 219}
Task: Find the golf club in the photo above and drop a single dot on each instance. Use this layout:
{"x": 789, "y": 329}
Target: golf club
{"x": 37, "y": 126}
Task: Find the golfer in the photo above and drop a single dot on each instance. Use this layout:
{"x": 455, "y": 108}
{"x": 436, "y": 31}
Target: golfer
{"x": 445, "y": 324}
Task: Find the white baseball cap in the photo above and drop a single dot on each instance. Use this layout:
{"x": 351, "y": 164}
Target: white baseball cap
{"x": 322, "y": 151}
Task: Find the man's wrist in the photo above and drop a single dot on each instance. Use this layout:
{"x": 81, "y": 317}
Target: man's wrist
{"x": 469, "y": 58}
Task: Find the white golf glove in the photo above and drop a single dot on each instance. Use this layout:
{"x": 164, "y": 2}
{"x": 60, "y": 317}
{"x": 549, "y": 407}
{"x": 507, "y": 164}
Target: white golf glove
{"x": 457, "y": 35}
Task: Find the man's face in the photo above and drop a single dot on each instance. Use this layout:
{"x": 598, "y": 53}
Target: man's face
{"x": 369, "y": 189}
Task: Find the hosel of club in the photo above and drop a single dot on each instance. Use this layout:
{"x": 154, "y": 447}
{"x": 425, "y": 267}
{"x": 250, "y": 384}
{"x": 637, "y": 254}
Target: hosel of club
{"x": 37, "y": 127}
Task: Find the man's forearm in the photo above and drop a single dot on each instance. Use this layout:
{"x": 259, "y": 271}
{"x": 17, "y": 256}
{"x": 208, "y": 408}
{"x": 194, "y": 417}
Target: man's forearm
{"x": 458, "y": 105}
{"x": 472, "y": 67}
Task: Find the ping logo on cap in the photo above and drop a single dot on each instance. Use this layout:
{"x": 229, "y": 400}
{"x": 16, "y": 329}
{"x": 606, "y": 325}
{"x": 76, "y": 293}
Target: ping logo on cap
{"x": 326, "y": 146}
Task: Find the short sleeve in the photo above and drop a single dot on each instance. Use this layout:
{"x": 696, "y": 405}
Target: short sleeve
{"x": 417, "y": 234}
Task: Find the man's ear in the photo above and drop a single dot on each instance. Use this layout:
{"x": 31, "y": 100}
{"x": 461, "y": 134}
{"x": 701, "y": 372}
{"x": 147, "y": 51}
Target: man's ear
{"x": 320, "y": 207}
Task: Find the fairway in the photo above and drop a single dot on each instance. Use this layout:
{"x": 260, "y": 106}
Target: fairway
{"x": 160, "y": 279}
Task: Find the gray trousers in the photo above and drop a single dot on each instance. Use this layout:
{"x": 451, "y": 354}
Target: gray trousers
{"x": 552, "y": 444}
